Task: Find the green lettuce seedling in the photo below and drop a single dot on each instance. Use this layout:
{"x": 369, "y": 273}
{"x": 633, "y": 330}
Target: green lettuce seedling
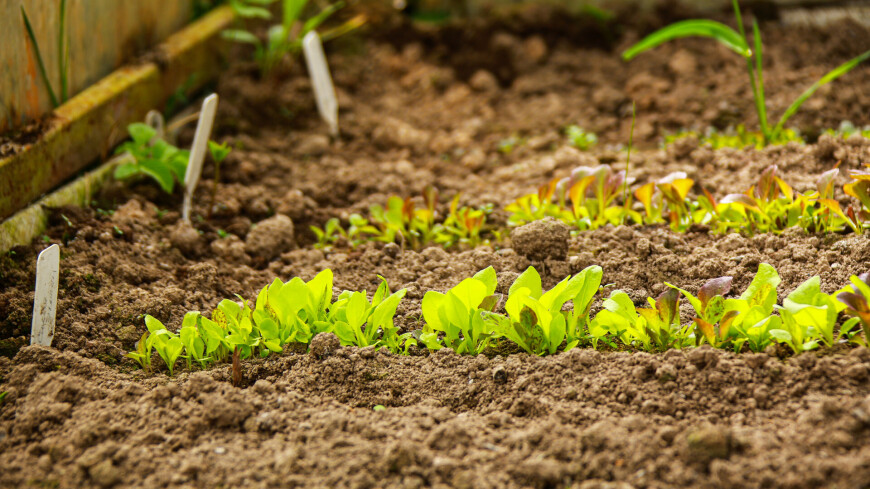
{"x": 285, "y": 38}
{"x": 167, "y": 344}
{"x": 462, "y": 315}
{"x": 142, "y": 355}
{"x": 577, "y": 326}
{"x": 810, "y": 316}
{"x": 535, "y": 319}
{"x": 580, "y": 138}
{"x": 619, "y": 319}
{"x": 152, "y": 157}
{"x": 361, "y": 323}
{"x": 754, "y": 311}
{"x": 194, "y": 344}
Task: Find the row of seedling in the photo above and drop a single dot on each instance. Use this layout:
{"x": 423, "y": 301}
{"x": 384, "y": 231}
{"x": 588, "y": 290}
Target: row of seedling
{"x": 472, "y": 317}
{"x": 402, "y": 221}
{"x": 593, "y": 197}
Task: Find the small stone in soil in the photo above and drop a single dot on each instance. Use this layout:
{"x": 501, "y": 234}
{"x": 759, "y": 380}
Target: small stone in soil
{"x": 499, "y": 375}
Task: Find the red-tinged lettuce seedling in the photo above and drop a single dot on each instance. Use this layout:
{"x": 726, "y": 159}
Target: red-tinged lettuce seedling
{"x": 767, "y": 206}
{"x": 666, "y": 200}
{"x": 855, "y": 298}
{"x": 711, "y": 321}
{"x": 663, "y": 322}
{"x": 534, "y": 207}
{"x": 464, "y": 225}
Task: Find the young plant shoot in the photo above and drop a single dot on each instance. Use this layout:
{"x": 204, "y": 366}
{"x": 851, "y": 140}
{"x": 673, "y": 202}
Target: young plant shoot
{"x": 738, "y": 42}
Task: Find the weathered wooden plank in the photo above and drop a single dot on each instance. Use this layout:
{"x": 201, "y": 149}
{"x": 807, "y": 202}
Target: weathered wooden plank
{"x": 94, "y": 121}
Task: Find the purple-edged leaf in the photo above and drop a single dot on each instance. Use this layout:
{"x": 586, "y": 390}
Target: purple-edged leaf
{"x": 854, "y": 301}
{"x": 863, "y": 175}
{"x": 742, "y": 199}
{"x": 430, "y": 197}
{"x": 490, "y": 302}
{"x": 825, "y": 184}
{"x": 766, "y": 189}
{"x": 714, "y": 287}
{"x": 672, "y": 177}
{"x": 865, "y": 277}
{"x": 668, "y": 305}
{"x": 581, "y": 172}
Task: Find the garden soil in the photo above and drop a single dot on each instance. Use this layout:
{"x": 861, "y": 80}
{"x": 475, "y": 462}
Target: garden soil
{"x": 418, "y": 111}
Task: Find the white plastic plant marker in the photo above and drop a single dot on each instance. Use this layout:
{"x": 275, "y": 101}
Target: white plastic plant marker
{"x": 45, "y": 303}
{"x": 324, "y": 91}
{"x": 197, "y": 151}
{"x": 155, "y": 120}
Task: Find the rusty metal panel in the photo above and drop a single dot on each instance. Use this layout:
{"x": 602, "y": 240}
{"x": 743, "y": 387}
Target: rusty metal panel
{"x": 102, "y": 35}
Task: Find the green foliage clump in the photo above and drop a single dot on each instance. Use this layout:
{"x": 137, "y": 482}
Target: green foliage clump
{"x": 847, "y": 130}
{"x": 739, "y": 138}
{"x": 739, "y": 43}
{"x": 595, "y": 197}
{"x": 402, "y": 221}
{"x": 284, "y": 39}
{"x": 580, "y": 138}
{"x": 471, "y": 317}
{"x": 151, "y": 156}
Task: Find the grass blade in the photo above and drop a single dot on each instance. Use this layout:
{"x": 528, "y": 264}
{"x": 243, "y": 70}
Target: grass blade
{"x": 39, "y": 61}
{"x": 349, "y": 26}
{"x": 62, "y": 54}
{"x": 292, "y": 12}
{"x": 692, "y": 28}
{"x": 829, "y": 77}
{"x": 760, "y": 104}
{"x": 314, "y": 22}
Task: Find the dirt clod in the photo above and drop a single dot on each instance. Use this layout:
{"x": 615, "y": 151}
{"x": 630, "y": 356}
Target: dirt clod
{"x": 271, "y": 237}
{"x": 541, "y": 240}
{"x": 184, "y": 237}
{"x": 710, "y": 442}
{"x": 324, "y": 345}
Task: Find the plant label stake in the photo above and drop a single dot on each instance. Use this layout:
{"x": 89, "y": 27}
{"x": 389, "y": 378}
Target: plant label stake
{"x": 324, "y": 91}
{"x": 155, "y": 120}
{"x": 197, "y": 151}
{"x": 45, "y": 303}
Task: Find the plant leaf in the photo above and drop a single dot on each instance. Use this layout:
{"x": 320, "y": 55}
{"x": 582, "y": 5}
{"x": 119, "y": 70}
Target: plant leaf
{"x": 692, "y": 28}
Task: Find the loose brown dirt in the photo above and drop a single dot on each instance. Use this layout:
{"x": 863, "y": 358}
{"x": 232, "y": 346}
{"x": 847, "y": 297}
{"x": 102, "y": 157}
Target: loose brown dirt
{"x": 418, "y": 110}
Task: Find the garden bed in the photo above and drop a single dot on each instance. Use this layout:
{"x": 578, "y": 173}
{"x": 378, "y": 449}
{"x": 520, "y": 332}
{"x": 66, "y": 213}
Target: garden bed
{"x": 486, "y": 122}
